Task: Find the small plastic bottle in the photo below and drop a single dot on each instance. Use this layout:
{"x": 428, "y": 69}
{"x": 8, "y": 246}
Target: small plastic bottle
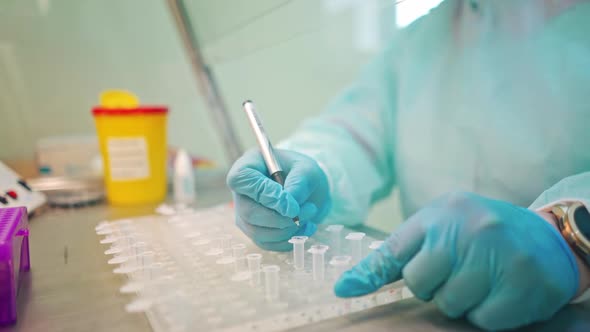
{"x": 184, "y": 178}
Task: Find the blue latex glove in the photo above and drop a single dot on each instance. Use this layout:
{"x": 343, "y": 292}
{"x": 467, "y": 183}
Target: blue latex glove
{"x": 500, "y": 265}
{"x": 265, "y": 211}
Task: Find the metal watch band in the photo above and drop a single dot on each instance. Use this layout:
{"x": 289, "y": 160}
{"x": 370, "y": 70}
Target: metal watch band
{"x": 563, "y": 212}
{"x": 570, "y": 231}
{"x": 583, "y": 297}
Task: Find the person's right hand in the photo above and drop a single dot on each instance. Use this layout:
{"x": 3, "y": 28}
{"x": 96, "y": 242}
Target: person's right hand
{"x": 265, "y": 210}
{"x": 499, "y": 265}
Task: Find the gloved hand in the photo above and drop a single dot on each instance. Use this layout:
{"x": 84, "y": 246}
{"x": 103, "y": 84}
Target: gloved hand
{"x": 265, "y": 211}
{"x": 500, "y": 265}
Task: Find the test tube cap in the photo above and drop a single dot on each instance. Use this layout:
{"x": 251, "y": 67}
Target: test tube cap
{"x": 253, "y": 256}
{"x": 271, "y": 268}
{"x": 334, "y": 228}
{"x": 118, "y": 260}
{"x": 139, "y": 244}
{"x": 201, "y": 242}
{"x": 318, "y": 249}
{"x": 355, "y": 236}
{"x": 225, "y": 260}
{"x": 214, "y": 252}
{"x": 113, "y": 251}
{"x": 192, "y": 235}
{"x": 238, "y": 246}
{"x": 110, "y": 239}
{"x": 131, "y": 287}
{"x": 103, "y": 228}
{"x": 138, "y": 305}
{"x": 298, "y": 239}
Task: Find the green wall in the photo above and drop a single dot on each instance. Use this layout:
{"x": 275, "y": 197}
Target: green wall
{"x": 55, "y": 61}
{"x": 57, "y": 55}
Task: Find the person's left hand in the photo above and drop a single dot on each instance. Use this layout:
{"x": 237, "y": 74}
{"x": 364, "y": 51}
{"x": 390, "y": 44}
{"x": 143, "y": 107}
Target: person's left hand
{"x": 500, "y": 265}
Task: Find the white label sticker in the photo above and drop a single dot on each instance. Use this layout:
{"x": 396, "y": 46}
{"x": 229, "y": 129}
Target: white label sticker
{"x": 128, "y": 158}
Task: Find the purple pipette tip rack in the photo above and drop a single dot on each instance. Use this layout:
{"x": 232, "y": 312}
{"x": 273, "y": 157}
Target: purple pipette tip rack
{"x": 14, "y": 258}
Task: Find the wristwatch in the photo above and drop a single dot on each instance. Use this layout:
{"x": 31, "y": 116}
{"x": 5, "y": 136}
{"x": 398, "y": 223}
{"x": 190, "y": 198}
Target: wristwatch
{"x": 573, "y": 221}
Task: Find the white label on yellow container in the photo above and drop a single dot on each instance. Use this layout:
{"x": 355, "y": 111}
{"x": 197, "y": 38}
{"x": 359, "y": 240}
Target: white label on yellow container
{"x": 128, "y": 158}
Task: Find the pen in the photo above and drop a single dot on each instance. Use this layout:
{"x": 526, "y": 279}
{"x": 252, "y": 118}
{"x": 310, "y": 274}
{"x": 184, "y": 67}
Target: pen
{"x": 268, "y": 154}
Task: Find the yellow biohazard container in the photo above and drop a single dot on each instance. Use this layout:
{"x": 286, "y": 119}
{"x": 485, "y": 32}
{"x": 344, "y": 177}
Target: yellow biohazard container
{"x": 132, "y": 142}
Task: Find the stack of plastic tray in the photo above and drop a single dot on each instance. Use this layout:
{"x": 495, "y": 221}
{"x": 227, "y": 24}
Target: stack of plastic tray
{"x": 14, "y": 258}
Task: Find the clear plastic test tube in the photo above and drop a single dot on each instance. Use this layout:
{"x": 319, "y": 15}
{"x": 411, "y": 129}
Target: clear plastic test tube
{"x": 201, "y": 245}
{"x": 335, "y": 238}
{"x": 318, "y": 265}
{"x": 191, "y": 237}
{"x": 226, "y": 263}
{"x": 271, "y": 282}
{"x": 138, "y": 248}
{"x": 355, "y": 239}
{"x": 340, "y": 264}
{"x": 226, "y": 240}
{"x": 298, "y": 251}
{"x": 254, "y": 268}
{"x": 215, "y": 247}
{"x": 147, "y": 259}
{"x": 239, "y": 252}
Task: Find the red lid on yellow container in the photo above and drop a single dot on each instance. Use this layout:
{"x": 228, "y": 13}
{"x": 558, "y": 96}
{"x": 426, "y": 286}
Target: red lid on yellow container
{"x": 141, "y": 110}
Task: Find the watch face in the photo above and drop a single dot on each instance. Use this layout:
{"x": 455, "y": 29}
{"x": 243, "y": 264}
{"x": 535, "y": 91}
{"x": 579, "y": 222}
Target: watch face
{"x": 582, "y": 220}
